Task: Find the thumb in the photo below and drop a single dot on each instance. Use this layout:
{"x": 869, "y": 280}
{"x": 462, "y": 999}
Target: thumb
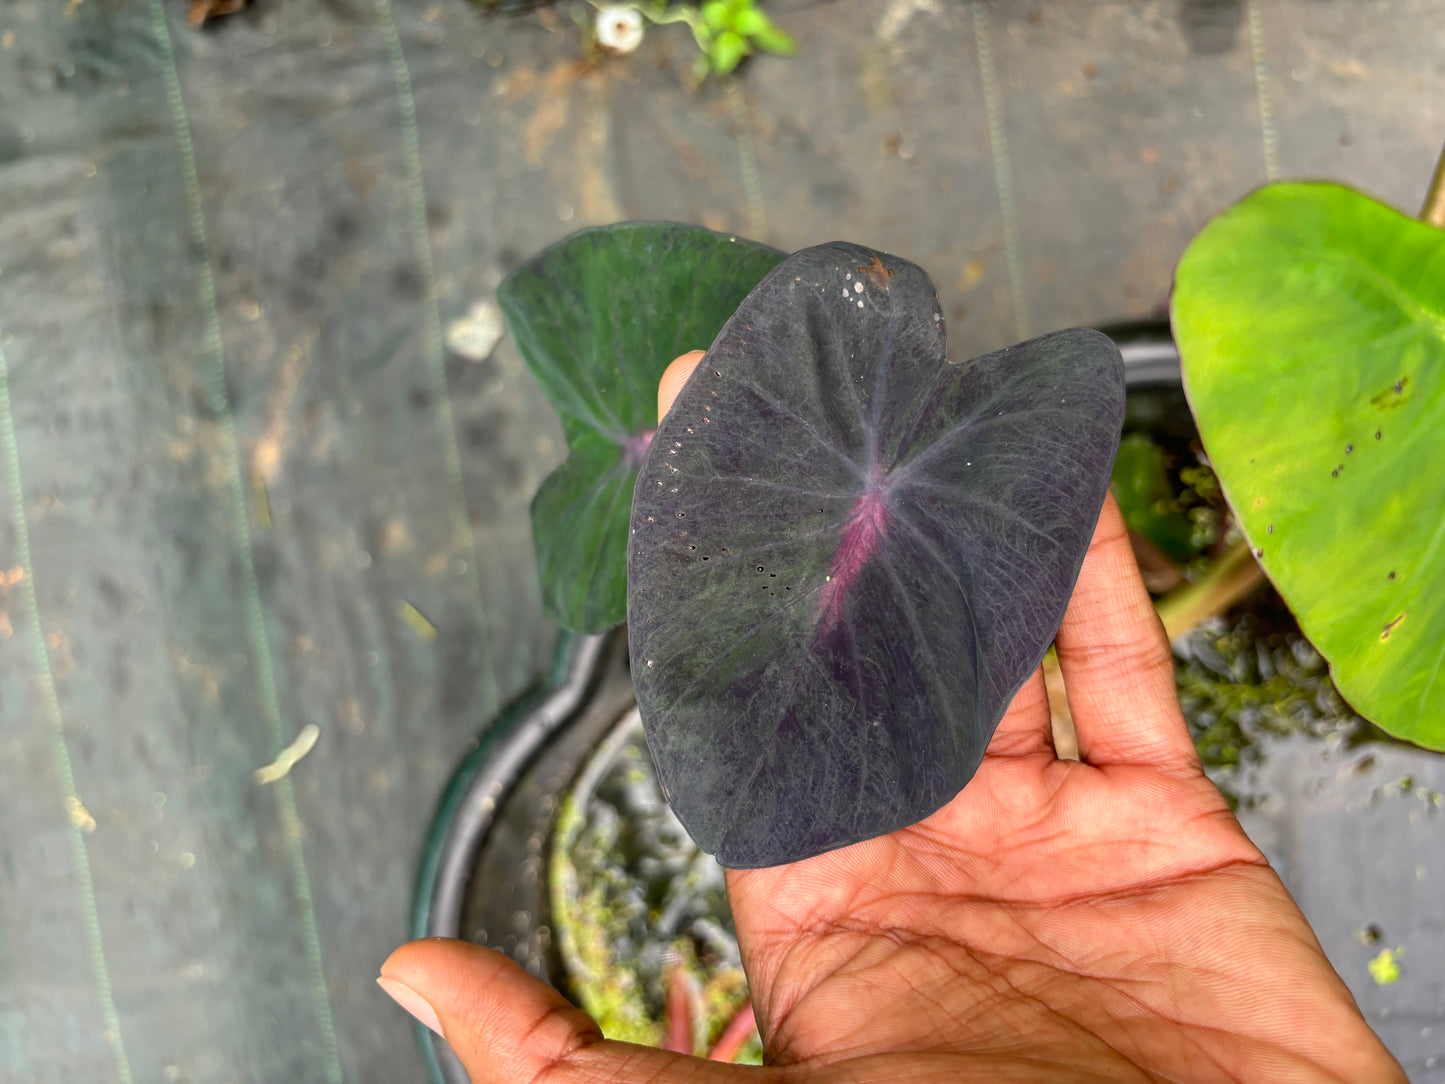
{"x": 505, "y": 1025}
{"x": 674, "y": 378}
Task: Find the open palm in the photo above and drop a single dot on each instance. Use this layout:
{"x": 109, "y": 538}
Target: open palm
{"x": 1059, "y": 920}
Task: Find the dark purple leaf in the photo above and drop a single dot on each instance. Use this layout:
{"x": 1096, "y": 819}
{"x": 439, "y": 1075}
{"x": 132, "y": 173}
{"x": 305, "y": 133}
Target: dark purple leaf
{"x": 848, "y": 553}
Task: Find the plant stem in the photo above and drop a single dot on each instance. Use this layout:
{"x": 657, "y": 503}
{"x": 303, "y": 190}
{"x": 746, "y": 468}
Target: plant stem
{"x": 1434, "y": 210}
{"x": 1228, "y": 580}
{"x": 1061, "y": 719}
{"x": 740, "y": 1028}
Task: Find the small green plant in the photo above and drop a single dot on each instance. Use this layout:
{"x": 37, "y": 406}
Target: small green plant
{"x": 1310, "y": 322}
{"x": 726, "y": 31}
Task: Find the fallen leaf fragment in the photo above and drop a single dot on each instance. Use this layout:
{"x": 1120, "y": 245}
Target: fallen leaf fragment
{"x": 282, "y": 765}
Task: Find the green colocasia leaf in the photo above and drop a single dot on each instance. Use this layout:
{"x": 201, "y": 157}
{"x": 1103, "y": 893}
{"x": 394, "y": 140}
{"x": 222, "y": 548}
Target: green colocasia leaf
{"x": 597, "y": 318}
{"x": 1311, "y": 327}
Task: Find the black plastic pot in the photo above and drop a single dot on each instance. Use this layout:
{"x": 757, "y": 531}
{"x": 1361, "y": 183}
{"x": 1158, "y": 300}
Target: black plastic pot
{"x": 483, "y": 875}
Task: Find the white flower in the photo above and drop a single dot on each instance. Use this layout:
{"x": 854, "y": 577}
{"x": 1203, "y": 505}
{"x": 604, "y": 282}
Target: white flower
{"x": 619, "y": 28}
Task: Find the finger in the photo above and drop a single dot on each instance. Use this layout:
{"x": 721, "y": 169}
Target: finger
{"x": 505, "y": 1025}
{"x": 1024, "y": 730}
{"x": 673, "y": 380}
{"x": 1115, "y": 660}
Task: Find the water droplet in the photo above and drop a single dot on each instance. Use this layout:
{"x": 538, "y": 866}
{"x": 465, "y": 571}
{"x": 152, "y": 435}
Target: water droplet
{"x": 649, "y": 664}
{"x": 682, "y": 515}
{"x": 860, "y": 304}
{"x": 1377, "y": 434}
{"x": 1349, "y": 448}
{"x": 1391, "y": 576}
{"x": 705, "y": 558}
{"x": 760, "y": 568}
{"x": 1271, "y": 528}
{"x": 1334, "y": 474}
{"x": 857, "y": 287}
{"x": 690, "y": 547}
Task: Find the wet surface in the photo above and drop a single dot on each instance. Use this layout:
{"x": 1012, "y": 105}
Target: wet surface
{"x": 248, "y": 488}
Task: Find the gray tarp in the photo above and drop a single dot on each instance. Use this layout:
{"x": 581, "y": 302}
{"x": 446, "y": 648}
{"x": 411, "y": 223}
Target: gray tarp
{"x": 248, "y": 489}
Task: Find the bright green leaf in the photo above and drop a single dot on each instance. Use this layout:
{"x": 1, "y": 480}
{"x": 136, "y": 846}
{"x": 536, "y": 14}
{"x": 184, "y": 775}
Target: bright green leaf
{"x": 1311, "y": 326}
{"x": 750, "y": 22}
{"x": 774, "y": 40}
{"x": 597, "y": 318}
{"x": 728, "y": 51}
{"x": 715, "y": 15}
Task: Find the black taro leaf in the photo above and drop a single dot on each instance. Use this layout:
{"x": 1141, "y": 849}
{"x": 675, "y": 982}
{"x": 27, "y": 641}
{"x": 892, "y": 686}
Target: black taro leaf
{"x": 597, "y": 318}
{"x": 849, "y": 553}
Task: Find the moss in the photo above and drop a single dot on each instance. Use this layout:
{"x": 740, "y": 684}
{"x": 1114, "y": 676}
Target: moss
{"x": 632, "y": 898}
{"x": 1385, "y": 967}
{"x": 1251, "y": 676}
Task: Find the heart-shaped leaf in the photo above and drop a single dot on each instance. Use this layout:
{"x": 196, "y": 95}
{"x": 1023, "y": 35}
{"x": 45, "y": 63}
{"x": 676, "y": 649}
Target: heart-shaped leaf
{"x": 597, "y": 318}
{"x": 1311, "y": 329}
{"x": 848, "y": 553}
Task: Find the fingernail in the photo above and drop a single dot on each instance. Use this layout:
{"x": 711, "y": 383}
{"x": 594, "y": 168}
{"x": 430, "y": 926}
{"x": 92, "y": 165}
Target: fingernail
{"x": 412, "y": 1002}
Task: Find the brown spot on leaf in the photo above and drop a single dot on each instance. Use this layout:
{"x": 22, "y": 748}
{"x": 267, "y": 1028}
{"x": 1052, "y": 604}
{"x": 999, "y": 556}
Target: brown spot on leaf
{"x": 1392, "y": 396}
{"x": 876, "y": 272}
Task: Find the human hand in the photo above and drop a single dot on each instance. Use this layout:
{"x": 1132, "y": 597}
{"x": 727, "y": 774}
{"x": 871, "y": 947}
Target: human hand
{"x": 1058, "y": 920}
